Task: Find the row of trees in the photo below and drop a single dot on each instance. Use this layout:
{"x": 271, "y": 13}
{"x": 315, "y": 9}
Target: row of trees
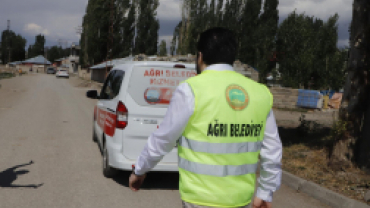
{"x": 254, "y": 30}
{"x": 57, "y": 52}
{"x": 310, "y": 57}
{"x": 305, "y": 47}
{"x": 135, "y": 29}
{"x": 14, "y": 46}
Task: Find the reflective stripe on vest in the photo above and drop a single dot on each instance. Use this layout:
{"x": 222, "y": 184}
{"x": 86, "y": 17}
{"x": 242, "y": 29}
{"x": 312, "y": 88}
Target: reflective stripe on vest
{"x": 220, "y": 148}
{"x": 217, "y": 170}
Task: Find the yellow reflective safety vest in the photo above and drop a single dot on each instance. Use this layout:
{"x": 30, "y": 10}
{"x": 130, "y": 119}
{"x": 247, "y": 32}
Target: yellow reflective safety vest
{"x": 219, "y": 149}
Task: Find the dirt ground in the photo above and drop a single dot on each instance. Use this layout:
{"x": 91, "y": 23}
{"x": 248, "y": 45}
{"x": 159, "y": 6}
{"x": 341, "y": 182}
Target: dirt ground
{"x": 306, "y": 146}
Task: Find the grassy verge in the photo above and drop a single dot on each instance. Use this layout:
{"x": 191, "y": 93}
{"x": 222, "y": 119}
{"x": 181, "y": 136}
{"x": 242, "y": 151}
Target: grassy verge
{"x": 6, "y": 75}
{"x": 306, "y": 153}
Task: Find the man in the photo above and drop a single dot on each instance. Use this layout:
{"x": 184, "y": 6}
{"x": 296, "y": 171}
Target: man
{"x": 225, "y": 123}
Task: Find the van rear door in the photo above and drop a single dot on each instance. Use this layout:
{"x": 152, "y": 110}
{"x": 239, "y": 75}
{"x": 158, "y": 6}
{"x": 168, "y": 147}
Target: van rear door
{"x": 149, "y": 93}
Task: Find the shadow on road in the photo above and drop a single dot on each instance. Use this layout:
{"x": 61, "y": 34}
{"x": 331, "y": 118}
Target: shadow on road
{"x": 153, "y": 181}
{"x": 8, "y": 176}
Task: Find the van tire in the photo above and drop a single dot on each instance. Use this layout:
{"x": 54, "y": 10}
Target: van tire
{"x": 94, "y": 137}
{"x": 108, "y": 171}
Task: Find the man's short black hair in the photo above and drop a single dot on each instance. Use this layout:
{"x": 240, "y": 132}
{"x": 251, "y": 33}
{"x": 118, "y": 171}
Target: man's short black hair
{"x": 218, "y": 46}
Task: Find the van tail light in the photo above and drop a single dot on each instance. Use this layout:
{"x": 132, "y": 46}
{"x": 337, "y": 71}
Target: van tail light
{"x": 122, "y": 116}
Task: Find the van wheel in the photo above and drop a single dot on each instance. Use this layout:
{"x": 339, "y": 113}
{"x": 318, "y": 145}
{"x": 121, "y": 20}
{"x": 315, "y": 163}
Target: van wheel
{"x": 108, "y": 171}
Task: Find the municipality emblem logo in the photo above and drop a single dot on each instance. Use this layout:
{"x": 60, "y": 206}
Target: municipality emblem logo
{"x": 237, "y": 97}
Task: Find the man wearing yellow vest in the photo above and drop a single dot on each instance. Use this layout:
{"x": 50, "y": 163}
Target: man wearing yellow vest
{"x": 225, "y": 124}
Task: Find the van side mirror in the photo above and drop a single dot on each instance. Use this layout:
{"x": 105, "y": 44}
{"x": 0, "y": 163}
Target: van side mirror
{"x": 93, "y": 94}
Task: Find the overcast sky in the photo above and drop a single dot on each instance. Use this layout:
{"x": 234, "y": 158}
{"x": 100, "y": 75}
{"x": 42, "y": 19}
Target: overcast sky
{"x": 58, "y": 19}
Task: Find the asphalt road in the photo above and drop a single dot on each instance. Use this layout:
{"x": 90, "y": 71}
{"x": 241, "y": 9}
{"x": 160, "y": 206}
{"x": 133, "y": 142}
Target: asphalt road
{"x": 49, "y": 121}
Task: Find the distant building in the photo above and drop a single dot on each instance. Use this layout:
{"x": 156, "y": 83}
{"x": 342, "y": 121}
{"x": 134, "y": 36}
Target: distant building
{"x": 37, "y": 64}
{"x": 74, "y": 58}
{"x": 71, "y": 62}
{"x": 38, "y": 60}
{"x": 99, "y": 72}
{"x": 58, "y": 62}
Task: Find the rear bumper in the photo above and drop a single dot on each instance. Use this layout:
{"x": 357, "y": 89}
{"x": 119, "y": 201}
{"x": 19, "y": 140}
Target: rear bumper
{"x": 119, "y": 161}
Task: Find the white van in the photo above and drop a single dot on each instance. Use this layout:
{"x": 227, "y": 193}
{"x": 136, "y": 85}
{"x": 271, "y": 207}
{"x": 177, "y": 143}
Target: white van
{"x": 131, "y": 105}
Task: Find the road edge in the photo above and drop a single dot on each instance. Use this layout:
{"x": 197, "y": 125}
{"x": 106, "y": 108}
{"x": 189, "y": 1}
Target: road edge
{"x": 320, "y": 193}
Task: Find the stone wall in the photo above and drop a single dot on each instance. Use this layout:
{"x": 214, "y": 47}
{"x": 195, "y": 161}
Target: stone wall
{"x": 84, "y": 74}
{"x": 284, "y": 97}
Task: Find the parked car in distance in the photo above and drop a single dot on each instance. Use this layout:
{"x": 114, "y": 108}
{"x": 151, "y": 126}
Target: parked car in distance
{"x": 50, "y": 70}
{"x": 62, "y": 73}
{"x": 131, "y": 105}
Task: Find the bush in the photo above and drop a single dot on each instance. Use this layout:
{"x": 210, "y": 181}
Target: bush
{"x": 6, "y": 75}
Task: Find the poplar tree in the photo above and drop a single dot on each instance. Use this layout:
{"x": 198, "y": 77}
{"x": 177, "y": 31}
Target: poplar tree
{"x": 268, "y": 25}
{"x": 38, "y": 47}
{"x": 147, "y": 27}
{"x": 311, "y": 59}
{"x": 163, "y": 48}
{"x": 249, "y": 33}
{"x": 120, "y": 9}
{"x": 211, "y": 17}
{"x": 129, "y": 32}
{"x": 219, "y": 12}
{"x": 95, "y": 30}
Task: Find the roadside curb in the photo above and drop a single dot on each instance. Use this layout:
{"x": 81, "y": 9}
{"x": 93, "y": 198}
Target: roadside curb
{"x": 320, "y": 193}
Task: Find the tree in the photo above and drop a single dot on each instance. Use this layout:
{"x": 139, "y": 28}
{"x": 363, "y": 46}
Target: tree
{"x": 95, "y": 31}
{"x": 129, "y": 32}
{"x": 152, "y": 40}
{"x": 119, "y": 26}
{"x": 310, "y": 52}
{"x": 267, "y": 28}
{"x": 54, "y": 53}
{"x": 37, "y": 48}
{"x": 163, "y": 48}
{"x": 84, "y": 57}
{"x": 219, "y": 12}
{"x": 147, "y": 27}
{"x": 353, "y": 144}
{"x": 249, "y": 34}
{"x": 212, "y": 20}
{"x": 29, "y": 51}
{"x": 13, "y": 45}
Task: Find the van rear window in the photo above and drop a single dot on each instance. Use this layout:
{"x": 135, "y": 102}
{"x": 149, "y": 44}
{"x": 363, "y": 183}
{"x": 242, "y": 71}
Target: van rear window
{"x": 154, "y": 86}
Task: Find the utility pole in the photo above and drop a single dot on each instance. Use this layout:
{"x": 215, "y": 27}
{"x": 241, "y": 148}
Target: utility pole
{"x": 46, "y": 55}
{"x": 110, "y": 36}
{"x": 9, "y": 40}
